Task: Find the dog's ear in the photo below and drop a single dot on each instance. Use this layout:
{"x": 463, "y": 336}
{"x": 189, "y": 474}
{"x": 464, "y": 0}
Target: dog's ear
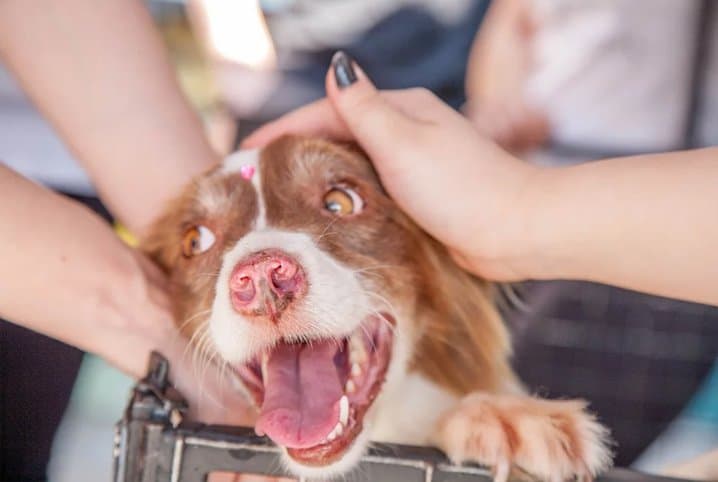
{"x": 464, "y": 345}
{"x": 161, "y": 242}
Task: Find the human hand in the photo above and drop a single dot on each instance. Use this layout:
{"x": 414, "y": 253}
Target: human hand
{"x": 514, "y": 125}
{"x": 74, "y": 280}
{"x": 499, "y": 66}
{"x": 509, "y": 220}
{"x": 457, "y": 185}
{"x": 210, "y": 389}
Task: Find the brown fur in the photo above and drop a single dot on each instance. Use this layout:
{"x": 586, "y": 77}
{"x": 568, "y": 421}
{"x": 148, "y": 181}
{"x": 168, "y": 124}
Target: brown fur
{"x": 463, "y": 345}
{"x": 458, "y": 338}
{"x": 551, "y": 439}
{"x": 192, "y": 281}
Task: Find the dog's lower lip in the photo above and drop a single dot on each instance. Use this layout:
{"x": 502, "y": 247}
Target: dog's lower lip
{"x": 361, "y": 368}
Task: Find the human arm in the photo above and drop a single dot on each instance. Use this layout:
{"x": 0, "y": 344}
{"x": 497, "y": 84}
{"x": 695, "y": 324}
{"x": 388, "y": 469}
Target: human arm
{"x": 497, "y": 73}
{"x": 644, "y": 223}
{"x": 65, "y": 274}
{"x": 98, "y": 71}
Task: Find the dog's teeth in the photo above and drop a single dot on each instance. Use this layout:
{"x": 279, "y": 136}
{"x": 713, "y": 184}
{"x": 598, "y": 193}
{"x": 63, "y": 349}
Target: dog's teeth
{"x": 350, "y": 387}
{"x": 356, "y": 370}
{"x": 357, "y": 350}
{"x": 343, "y": 410}
{"x": 235, "y": 382}
{"x": 336, "y": 431}
{"x": 264, "y": 362}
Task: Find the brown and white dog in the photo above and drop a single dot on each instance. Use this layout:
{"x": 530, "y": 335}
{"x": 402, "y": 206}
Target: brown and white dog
{"x": 347, "y": 323}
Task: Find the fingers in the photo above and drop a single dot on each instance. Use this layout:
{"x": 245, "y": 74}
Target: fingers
{"x": 316, "y": 119}
{"x": 515, "y": 126}
{"x": 375, "y": 123}
{"x": 355, "y": 112}
{"x": 321, "y": 119}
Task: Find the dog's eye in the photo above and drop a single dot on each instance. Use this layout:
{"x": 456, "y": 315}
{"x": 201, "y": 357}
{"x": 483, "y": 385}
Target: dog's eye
{"x": 343, "y": 201}
{"x": 197, "y": 240}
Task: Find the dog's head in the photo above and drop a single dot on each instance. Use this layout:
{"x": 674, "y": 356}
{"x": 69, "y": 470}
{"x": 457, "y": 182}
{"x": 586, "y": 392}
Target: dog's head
{"x": 295, "y": 267}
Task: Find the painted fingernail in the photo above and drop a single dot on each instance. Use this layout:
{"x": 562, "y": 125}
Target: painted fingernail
{"x": 344, "y": 74}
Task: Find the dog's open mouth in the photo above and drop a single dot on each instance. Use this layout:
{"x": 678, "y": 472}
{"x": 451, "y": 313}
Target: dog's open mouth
{"x": 313, "y": 395}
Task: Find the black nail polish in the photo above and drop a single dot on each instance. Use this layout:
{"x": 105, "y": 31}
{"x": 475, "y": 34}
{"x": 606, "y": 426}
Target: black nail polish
{"x": 344, "y": 74}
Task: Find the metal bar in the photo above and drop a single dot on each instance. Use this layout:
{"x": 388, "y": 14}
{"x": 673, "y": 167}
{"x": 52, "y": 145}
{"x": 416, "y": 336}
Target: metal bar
{"x": 177, "y": 458}
{"x": 150, "y": 446}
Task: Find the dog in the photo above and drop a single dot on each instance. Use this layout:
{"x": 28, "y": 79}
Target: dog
{"x": 346, "y": 323}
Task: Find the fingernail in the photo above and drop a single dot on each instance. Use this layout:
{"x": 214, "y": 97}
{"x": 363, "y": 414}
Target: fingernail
{"x": 344, "y": 74}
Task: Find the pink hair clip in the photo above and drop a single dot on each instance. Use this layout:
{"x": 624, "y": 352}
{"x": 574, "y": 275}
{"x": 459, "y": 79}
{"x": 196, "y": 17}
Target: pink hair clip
{"x": 247, "y": 171}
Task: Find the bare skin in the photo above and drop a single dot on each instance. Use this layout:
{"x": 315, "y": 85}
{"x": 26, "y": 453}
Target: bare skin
{"x": 499, "y": 66}
{"x": 99, "y": 73}
{"x": 644, "y": 223}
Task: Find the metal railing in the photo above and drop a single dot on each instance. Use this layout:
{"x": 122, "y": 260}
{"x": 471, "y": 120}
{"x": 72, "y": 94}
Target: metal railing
{"x": 153, "y": 443}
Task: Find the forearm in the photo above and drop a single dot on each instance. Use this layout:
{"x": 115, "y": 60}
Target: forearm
{"x": 98, "y": 71}
{"x": 66, "y": 275}
{"x": 499, "y": 56}
{"x": 646, "y": 223}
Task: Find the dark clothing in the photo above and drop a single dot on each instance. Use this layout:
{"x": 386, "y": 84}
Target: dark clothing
{"x": 36, "y": 378}
{"x": 637, "y": 359}
{"x": 408, "y": 48}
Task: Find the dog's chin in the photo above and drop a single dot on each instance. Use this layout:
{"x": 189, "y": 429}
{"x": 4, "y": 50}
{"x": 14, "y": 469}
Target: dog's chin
{"x": 314, "y": 396}
{"x": 344, "y": 463}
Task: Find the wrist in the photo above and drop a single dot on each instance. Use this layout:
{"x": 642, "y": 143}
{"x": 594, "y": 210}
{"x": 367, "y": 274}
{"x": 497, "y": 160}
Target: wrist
{"x": 515, "y": 241}
{"x": 134, "y": 315}
{"x": 547, "y": 224}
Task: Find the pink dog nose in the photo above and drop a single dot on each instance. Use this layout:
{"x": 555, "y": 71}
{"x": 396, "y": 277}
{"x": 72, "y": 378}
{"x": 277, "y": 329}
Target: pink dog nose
{"x": 265, "y": 283}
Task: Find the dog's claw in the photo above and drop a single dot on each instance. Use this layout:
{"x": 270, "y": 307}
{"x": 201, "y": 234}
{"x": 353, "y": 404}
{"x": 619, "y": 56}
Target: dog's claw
{"x": 553, "y": 441}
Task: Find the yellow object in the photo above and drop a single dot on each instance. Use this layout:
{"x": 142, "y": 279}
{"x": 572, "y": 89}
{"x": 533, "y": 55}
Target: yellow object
{"x": 126, "y": 236}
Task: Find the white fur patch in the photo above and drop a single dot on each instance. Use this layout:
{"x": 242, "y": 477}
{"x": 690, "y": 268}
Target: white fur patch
{"x": 234, "y": 163}
{"x": 345, "y": 464}
{"x": 409, "y": 409}
{"x": 334, "y": 305}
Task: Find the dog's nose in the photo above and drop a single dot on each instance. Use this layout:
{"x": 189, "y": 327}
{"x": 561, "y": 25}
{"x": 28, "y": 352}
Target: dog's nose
{"x": 265, "y": 283}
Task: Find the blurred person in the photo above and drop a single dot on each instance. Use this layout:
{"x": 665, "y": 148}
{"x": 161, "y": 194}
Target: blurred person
{"x": 597, "y": 77}
{"x": 98, "y": 72}
{"x": 400, "y": 43}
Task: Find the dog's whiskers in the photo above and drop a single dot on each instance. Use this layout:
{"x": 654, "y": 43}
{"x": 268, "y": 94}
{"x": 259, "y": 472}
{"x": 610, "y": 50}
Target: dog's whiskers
{"x": 376, "y": 267}
{"x": 387, "y": 304}
{"x": 194, "y": 317}
{"x": 326, "y": 229}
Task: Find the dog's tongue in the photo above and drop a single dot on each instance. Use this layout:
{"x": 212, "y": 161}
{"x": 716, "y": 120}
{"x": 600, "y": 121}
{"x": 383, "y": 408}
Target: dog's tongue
{"x": 301, "y": 394}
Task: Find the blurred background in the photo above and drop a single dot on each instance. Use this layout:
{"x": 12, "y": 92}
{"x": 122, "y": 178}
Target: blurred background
{"x": 556, "y": 81}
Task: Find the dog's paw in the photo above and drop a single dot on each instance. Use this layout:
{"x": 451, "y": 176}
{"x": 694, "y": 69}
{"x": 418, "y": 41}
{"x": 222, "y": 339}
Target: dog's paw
{"x": 551, "y": 440}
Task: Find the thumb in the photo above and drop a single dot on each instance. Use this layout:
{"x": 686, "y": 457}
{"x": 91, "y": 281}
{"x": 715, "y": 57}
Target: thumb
{"x": 376, "y": 124}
